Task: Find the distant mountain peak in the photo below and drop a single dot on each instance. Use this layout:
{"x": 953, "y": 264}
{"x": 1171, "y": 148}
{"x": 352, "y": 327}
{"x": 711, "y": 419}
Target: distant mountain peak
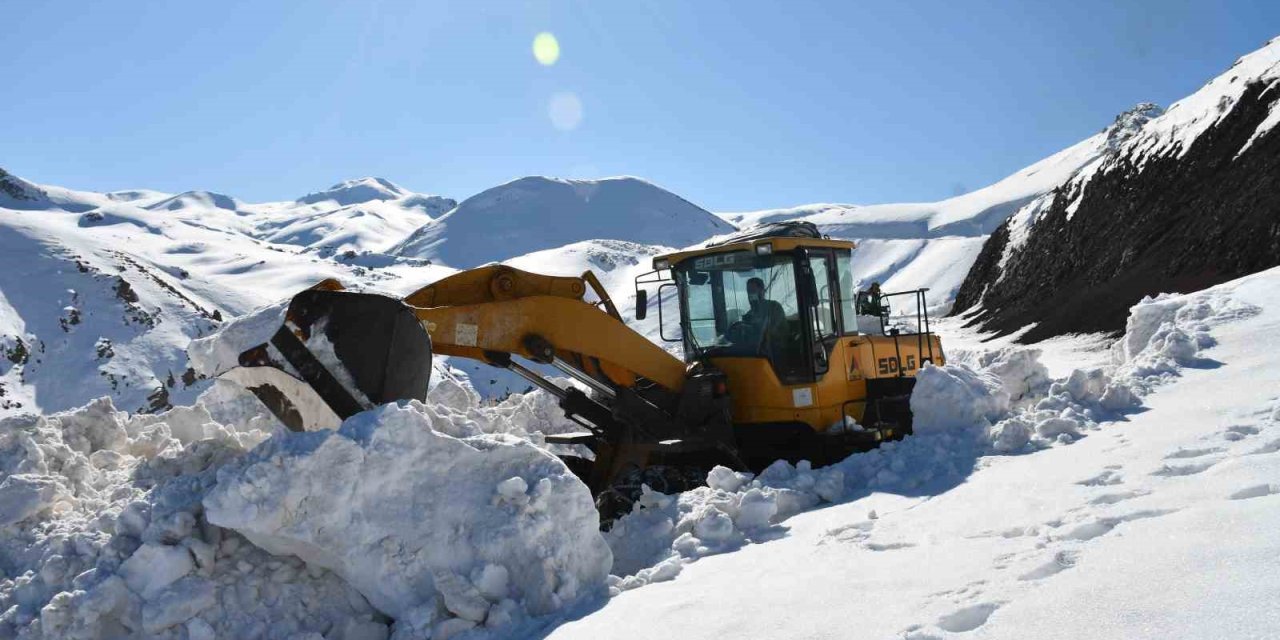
{"x": 17, "y": 188}
{"x": 356, "y": 191}
{"x": 1130, "y": 122}
{"x": 534, "y": 213}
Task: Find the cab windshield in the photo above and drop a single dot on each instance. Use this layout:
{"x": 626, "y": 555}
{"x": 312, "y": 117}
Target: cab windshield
{"x": 741, "y": 304}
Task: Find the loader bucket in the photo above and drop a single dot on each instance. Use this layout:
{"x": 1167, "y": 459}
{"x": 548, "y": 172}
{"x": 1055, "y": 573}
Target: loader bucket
{"x": 338, "y": 353}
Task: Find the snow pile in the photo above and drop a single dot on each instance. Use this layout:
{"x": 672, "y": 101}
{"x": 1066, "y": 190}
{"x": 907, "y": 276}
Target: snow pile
{"x": 439, "y": 525}
{"x": 1008, "y": 391}
{"x": 1167, "y": 332}
{"x": 652, "y": 543}
{"x": 104, "y": 536}
{"x": 105, "y": 532}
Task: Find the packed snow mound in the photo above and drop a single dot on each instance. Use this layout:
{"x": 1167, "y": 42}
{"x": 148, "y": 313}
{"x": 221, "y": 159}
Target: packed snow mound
{"x": 1166, "y": 333}
{"x": 104, "y": 537}
{"x": 535, "y": 213}
{"x": 104, "y": 531}
{"x": 356, "y": 191}
{"x": 434, "y": 521}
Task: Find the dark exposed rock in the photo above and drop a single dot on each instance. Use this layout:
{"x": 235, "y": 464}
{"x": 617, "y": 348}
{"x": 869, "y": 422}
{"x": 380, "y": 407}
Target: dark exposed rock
{"x": 157, "y": 401}
{"x": 104, "y": 349}
{"x": 125, "y": 291}
{"x": 17, "y": 189}
{"x": 1173, "y": 224}
{"x": 16, "y": 354}
{"x": 72, "y": 319}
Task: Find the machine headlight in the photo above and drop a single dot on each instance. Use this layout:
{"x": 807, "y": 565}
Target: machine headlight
{"x": 764, "y": 249}
{"x": 661, "y": 263}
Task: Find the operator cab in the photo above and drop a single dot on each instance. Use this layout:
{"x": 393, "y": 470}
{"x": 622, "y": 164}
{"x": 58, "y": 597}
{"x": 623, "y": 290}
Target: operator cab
{"x": 781, "y": 292}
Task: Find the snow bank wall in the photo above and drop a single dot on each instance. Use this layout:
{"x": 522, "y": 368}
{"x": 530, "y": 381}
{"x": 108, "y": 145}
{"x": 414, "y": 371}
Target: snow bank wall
{"x": 432, "y": 520}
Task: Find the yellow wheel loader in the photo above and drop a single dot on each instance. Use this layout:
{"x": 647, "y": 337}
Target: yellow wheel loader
{"x": 778, "y": 363}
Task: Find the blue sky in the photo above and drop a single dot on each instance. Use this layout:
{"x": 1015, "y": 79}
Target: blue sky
{"x": 733, "y": 105}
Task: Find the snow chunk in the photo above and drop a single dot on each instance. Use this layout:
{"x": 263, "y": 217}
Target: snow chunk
{"x": 114, "y": 542}
{"x": 153, "y": 567}
{"x": 403, "y": 511}
{"x": 956, "y": 396}
{"x": 23, "y": 495}
{"x": 177, "y": 604}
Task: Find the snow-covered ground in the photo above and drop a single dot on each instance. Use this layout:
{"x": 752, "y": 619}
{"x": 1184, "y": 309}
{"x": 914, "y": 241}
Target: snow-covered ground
{"x": 1159, "y": 523}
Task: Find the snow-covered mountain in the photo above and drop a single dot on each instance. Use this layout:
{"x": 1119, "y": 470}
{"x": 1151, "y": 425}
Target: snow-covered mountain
{"x": 933, "y": 244}
{"x": 194, "y": 258}
{"x": 536, "y": 213}
{"x": 100, "y": 293}
{"x": 1188, "y": 199}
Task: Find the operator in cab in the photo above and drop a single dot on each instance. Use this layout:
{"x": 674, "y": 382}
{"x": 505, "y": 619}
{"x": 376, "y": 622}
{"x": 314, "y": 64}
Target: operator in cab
{"x": 872, "y": 303}
{"x": 767, "y": 318}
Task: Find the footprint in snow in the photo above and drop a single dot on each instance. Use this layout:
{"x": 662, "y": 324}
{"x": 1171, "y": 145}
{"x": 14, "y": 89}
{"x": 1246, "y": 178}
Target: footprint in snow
{"x": 1182, "y": 454}
{"x": 914, "y": 632}
{"x": 967, "y": 618}
{"x": 1118, "y": 497}
{"x": 1103, "y": 526}
{"x": 1256, "y": 491}
{"x": 1270, "y": 447}
{"x": 1176, "y": 470}
{"x": 1060, "y": 562}
{"x": 887, "y": 546}
{"x": 857, "y": 533}
{"x": 1239, "y": 432}
{"x": 1106, "y": 478}
{"x": 1011, "y": 532}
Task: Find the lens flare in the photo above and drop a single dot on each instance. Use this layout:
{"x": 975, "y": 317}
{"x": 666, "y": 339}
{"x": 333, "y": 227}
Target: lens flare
{"x": 546, "y": 49}
{"x": 565, "y": 110}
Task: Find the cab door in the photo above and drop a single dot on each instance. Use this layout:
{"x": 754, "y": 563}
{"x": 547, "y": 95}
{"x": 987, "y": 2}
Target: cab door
{"x": 822, "y": 334}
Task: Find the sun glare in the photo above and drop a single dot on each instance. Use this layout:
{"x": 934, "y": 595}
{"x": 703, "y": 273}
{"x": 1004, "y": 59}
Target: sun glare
{"x": 546, "y": 49}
